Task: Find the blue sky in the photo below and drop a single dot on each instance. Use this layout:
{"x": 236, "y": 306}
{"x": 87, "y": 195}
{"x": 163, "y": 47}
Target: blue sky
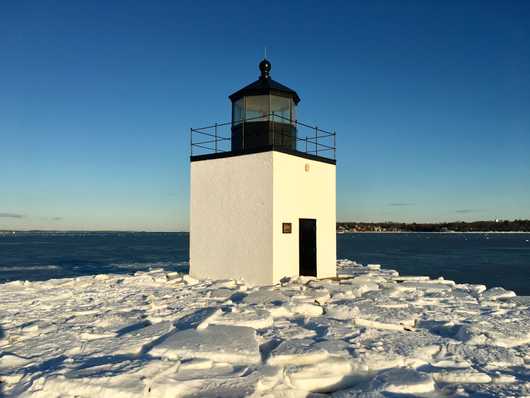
{"x": 430, "y": 101}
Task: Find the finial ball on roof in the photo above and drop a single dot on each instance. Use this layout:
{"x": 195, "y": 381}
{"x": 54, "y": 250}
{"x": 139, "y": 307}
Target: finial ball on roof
{"x": 265, "y": 68}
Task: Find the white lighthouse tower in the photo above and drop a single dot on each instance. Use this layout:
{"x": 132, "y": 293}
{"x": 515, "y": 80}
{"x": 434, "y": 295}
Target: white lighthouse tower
{"x": 262, "y": 194}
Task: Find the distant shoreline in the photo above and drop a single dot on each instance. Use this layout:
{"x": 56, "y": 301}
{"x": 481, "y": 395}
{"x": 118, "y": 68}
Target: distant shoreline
{"x": 518, "y": 226}
{"x": 489, "y": 226}
{"x": 14, "y": 233}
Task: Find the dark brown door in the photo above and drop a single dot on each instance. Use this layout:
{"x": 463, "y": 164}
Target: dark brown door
{"x": 307, "y": 232}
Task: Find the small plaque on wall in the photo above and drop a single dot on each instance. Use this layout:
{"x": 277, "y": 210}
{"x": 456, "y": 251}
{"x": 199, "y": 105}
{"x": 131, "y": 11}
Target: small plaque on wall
{"x": 287, "y": 227}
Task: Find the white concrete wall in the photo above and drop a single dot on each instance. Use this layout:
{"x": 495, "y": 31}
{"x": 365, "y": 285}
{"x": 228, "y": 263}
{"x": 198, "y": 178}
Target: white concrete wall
{"x": 231, "y": 218}
{"x": 238, "y": 205}
{"x": 299, "y": 194}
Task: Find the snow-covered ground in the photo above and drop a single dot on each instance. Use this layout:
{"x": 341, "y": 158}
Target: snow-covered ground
{"x": 367, "y": 333}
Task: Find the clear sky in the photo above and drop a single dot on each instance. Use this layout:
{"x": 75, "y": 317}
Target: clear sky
{"x": 430, "y": 101}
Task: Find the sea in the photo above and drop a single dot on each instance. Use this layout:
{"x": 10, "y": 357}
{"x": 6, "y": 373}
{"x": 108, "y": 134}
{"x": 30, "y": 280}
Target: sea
{"x": 493, "y": 259}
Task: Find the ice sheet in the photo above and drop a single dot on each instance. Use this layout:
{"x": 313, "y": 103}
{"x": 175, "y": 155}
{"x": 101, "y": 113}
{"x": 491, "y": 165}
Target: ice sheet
{"x": 367, "y": 333}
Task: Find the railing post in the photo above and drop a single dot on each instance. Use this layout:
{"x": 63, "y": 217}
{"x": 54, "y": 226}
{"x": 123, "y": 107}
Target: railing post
{"x": 273, "y": 135}
{"x": 296, "y": 135}
{"x": 191, "y": 142}
{"x": 316, "y": 140}
{"x": 243, "y": 135}
{"x": 215, "y": 137}
{"x": 334, "y": 145}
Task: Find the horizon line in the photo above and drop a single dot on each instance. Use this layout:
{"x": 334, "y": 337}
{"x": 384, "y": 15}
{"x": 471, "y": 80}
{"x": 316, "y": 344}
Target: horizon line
{"x": 184, "y": 231}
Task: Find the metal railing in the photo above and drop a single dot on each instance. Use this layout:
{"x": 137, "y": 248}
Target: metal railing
{"x": 217, "y": 137}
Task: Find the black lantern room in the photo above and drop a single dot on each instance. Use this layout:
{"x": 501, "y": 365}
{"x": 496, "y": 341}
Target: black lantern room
{"x": 264, "y": 114}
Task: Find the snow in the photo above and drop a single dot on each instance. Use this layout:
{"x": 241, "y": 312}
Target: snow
{"x": 367, "y": 333}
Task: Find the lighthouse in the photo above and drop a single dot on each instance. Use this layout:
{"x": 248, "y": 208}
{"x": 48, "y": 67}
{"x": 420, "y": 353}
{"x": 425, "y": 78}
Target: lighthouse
{"x": 262, "y": 190}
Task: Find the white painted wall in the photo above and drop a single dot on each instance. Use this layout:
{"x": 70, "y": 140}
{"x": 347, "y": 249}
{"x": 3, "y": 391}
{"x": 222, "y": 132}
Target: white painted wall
{"x": 298, "y": 193}
{"x": 231, "y": 218}
{"x": 238, "y": 205}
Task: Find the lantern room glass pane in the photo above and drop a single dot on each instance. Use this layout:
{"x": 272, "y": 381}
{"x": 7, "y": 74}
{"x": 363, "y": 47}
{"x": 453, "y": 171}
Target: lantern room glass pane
{"x": 257, "y": 108}
{"x": 281, "y": 107}
{"x": 238, "y": 111}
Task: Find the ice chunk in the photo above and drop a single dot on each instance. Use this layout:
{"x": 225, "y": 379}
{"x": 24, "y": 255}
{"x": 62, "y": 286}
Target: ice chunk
{"x": 427, "y": 285}
{"x": 344, "y": 310}
{"x": 190, "y": 280}
{"x": 496, "y": 293}
{"x": 114, "y": 321}
{"x": 321, "y": 376}
{"x": 254, "y": 318}
{"x": 403, "y": 381}
{"x": 335, "y": 347}
{"x": 461, "y": 376}
{"x": 265, "y": 297}
{"x": 302, "y": 280}
{"x": 509, "y": 330}
{"x": 220, "y": 294}
{"x": 451, "y": 363}
{"x": 366, "y": 280}
{"x": 221, "y": 343}
{"x": 357, "y": 393}
{"x": 374, "y": 316}
{"x": 133, "y": 342}
{"x": 387, "y": 349}
{"x": 320, "y": 295}
{"x": 286, "y": 330}
{"x": 523, "y": 301}
{"x": 10, "y": 361}
{"x": 297, "y": 352}
{"x": 332, "y": 329}
{"x": 491, "y": 390}
{"x": 306, "y": 309}
{"x": 280, "y": 312}
{"x": 487, "y": 356}
{"x": 404, "y": 278}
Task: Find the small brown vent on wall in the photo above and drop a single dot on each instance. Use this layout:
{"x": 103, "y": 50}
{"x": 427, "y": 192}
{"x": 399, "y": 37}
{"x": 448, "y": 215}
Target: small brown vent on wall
{"x": 287, "y": 227}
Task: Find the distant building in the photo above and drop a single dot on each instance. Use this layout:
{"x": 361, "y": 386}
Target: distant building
{"x": 264, "y": 208}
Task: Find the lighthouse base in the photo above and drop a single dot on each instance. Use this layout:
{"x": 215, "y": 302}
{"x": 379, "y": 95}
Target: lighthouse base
{"x": 261, "y": 217}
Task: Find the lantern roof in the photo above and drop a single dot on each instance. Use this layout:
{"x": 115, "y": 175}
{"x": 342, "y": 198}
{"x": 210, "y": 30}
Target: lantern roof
{"x": 265, "y": 86}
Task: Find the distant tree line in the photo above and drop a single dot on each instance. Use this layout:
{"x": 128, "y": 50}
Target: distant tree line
{"x": 457, "y": 226}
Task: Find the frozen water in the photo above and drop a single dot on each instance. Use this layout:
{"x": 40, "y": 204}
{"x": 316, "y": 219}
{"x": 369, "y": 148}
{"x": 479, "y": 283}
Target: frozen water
{"x": 367, "y": 333}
